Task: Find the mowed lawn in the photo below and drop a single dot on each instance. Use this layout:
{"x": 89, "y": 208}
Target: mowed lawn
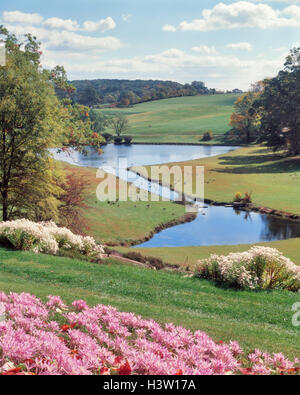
{"x": 256, "y": 319}
{"x": 121, "y": 222}
{"x": 273, "y": 179}
{"x": 179, "y": 120}
{"x": 188, "y": 256}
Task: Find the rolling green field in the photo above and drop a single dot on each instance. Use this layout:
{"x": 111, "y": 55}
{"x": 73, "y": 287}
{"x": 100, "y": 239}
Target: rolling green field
{"x": 256, "y": 319}
{"x": 273, "y": 179}
{"x": 179, "y": 120}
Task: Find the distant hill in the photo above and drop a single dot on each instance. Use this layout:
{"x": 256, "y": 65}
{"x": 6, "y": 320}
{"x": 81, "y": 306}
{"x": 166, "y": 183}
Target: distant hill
{"x": 123, "y": 93}
{"x": 178, "y": 120}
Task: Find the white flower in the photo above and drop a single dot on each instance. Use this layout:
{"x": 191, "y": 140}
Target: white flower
{"x": 48, "y": 237}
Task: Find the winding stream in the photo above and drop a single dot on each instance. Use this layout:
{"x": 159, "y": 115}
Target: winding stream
{"x": 213, "y": 225}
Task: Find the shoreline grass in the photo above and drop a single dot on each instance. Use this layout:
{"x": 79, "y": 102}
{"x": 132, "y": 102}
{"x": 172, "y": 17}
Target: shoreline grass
{"x": 272, "y": 178}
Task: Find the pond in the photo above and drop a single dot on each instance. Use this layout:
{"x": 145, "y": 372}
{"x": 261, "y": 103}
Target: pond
{"x": 214, "y": 225}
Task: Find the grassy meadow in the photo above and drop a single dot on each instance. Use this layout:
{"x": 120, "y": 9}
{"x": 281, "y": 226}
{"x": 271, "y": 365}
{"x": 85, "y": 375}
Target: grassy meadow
{"x": 122, "y": 222}
{"x": 179, "y": 120}
{"x": 256, "y": 319}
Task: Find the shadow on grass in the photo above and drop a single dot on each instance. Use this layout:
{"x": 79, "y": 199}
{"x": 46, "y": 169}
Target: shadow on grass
{"x": 249, "y": 159}
{"x": 246, "y": 164}
{"x": 4, "y": 245}
{"x": 230, "y": 288}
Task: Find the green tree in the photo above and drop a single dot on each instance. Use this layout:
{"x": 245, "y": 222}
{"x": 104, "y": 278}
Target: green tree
{"x": 89, "y": 95}
{"x": 279, "y": 107}
{"x": 99, "y": 121}
{"x": 29, "y": 125}
{"x": 119, "y": 123}
{"x": 33, "y": 120}
{"x": 78, "y": 128}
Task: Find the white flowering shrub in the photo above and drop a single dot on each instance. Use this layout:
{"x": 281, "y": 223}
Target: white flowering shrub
{"x": 46, "y": 237}
{"x": 258, "y": 268}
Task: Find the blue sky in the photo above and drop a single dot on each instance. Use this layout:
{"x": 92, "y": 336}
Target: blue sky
{"x": 226, "y": 44}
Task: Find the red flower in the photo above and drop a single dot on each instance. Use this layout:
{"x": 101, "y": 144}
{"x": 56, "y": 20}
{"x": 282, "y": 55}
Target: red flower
{"x": 179, "y": 372}
{"x": 125, "y": 370}
{"x": 65, "y": 328}
{"x": 11, "y": 372}
{"x": 29, "y": 361}
{"x": 159, "y": 353}
{"x": 289, "y": 371}
{"x": 104, "y": 371}
{"x": 246, "y": 371}
{"x": 118, "y": 360}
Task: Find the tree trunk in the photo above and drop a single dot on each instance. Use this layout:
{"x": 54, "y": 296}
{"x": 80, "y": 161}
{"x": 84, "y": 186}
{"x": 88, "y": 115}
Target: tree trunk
{"x": 248, "y": 133}
{"x": 4, "y": 205}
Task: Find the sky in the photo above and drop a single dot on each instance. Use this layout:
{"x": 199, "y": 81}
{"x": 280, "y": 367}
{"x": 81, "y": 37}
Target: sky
{"x": 226, "y": 44}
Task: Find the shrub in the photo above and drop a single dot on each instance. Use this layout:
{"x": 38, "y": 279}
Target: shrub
{"x": 108, "y": 137}
{"x": 72, "y": 203}
{"x": 135, "y": 256}
{"x": 55, "y": 339}
{"x": 155, "y": 262}
{"x": 128, "y": 140}
{"x": 247, "y": 198}
{"x": 207, "y": 136}
{"x": 259, "y": 268}
{"x": 118, "y": 140}
{"x": 238, "y": 197}
{"x": 46, "y": 237}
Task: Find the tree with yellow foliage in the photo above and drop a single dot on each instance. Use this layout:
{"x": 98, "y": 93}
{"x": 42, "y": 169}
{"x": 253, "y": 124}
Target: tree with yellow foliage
{"x": 245, "y": 121}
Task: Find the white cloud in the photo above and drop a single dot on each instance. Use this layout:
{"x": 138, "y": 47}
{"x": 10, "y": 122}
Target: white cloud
{"x": 243, "y": 46}
{"x": 20, "y": 17}
{"x": 277, "y": 1}
{"x": 242, "y": 14}
{"x": 205, "y": 49}
{"x": 126, "y": 17}
{"x": 67, "y": 41}
{"x": 169, "y": 28}
{"x": 220, "y": 71}
{"x": 103, "y": 25}
{"x": 64, "y": 24}
{"x": 59, "y": 34}
{"x": 292, "y": 11}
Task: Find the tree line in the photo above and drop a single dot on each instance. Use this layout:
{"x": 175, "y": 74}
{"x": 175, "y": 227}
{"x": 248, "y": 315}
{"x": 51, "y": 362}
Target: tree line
{"x": 113, "y": 92}
{"x": 270, "y": 112}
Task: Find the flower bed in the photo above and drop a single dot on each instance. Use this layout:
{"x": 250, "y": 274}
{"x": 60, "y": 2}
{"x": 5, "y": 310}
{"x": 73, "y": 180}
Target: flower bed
{"x": 258, "y": 268}
{"x": 53, "y": 339}
{"x": 46, "y": 237}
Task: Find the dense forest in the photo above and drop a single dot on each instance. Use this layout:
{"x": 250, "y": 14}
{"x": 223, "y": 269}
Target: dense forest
{"x": 115, "y": 92}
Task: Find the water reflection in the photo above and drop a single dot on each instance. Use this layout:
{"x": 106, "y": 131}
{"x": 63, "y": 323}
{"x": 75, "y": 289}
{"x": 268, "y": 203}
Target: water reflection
{"x": 276, "y": 228}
